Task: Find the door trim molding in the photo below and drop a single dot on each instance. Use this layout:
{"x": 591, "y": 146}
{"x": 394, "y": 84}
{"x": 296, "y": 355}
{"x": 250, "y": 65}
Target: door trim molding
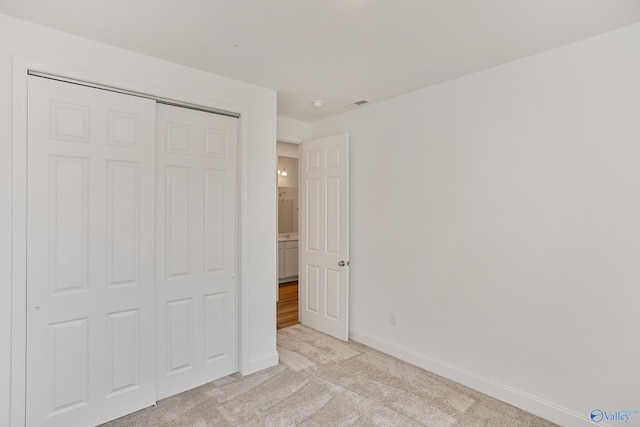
{"x": 21, "y": 68}
{"x": 489, "y": 387}
{"x": 19, "y": 247}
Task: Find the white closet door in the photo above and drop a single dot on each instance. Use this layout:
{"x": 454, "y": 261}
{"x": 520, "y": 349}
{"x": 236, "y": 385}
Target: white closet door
{"x": 90, "y": 258}
{"x": 196, "y": 249}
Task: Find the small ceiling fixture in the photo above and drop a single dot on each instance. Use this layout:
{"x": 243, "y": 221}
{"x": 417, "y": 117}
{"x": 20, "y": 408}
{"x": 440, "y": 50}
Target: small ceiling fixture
{"x": 361, "y": 102}
{"x": 282, "y": 172}
{"x": 317, "y": 103}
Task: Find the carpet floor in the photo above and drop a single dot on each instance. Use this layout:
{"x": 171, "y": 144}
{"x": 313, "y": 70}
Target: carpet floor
{"x": 324, "y": 382}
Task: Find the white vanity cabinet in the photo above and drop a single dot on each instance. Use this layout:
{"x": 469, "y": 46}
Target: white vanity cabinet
{"x": 291, "y": 259}
{"x": 281, "y": 260}
{"x": 287, "y": 260}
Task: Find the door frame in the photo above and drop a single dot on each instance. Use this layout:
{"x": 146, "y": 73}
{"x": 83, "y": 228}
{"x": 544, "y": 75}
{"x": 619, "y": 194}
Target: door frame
{"x": 296, "y": 142}
{"x": 21, "y": 66}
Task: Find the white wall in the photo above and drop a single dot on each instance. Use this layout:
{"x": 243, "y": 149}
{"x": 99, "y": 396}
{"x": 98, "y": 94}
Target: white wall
{"x": 133, "y": 71}
{"x": 288, "y": 149}
{"x": 498, "y": 216}
{"x": 292, "y": 130}
{"x": 291, "y": 165}
{"x": 288, "y": 190}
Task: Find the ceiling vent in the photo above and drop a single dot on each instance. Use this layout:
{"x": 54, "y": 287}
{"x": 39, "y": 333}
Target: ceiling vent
{"x": 361, "y": 102}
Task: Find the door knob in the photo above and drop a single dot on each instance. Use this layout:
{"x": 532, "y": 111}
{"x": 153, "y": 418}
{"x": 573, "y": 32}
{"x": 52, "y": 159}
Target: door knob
{"x": 343, "y": 263}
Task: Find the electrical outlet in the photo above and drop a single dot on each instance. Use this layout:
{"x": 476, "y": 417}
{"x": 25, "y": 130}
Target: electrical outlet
{"x": 392, "y": 319}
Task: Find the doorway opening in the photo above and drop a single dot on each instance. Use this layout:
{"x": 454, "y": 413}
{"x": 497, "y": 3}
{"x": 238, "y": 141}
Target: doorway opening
{"x": 287, "y": 193}
{"x": 323, "y": 266}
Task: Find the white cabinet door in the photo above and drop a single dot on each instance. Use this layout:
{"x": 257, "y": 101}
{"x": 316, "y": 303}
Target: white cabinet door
{"x": 196, "y": 248}
{"x": 90, "y": 256}
{"x": 291, "y": 259}
{"x": 324, "y": 235}
{"x": 281, "y": 271}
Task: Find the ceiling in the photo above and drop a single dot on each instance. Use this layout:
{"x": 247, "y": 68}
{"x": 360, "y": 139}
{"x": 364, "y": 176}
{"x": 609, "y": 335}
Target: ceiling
{"x": 339, "y": 51}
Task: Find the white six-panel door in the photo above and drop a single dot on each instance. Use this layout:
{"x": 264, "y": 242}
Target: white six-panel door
{"x": 324, "y": 235}
{"x": 90, "y": 258}
{"x": 196, "y": 256}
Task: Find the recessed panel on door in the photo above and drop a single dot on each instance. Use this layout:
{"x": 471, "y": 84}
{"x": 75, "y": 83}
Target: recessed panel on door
{"x": 312, "y": 287}
{"x": 124, "y": 129}
{"x": 178, "y": 231}
{"x": 332, "y": 215}
{"x": 69, "y": 365}
{"x": 123, "y": 351}
{"x": 69, "y": 122}
{"x": 312, "y": 160}
{"x": 332, "y": 292}
{"x": 313, "y": 218}
{"x": 179, "y": 328}
{"x": 68, "y": 223}
{"x": 214, "y": 220}
{"x": 178, "y": 138}
{"x": 215, "y": 143}
{"x": 333, "y": 157}
{"x": 215, "y": 320}
{"x": 123, "y": 223}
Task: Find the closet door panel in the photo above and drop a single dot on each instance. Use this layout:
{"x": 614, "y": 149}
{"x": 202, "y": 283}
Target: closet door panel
{"x": 196, "y": 248}
{"x": 90, "y": 256}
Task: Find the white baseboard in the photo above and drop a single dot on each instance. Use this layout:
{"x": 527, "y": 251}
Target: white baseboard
{"x": 262, "y": 362}
{"x": 517, "y": 398}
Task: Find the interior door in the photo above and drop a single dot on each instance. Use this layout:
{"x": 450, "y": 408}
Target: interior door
{"x": 324, "y": 235}
{"x": 90, "y": 256}
{"x": 196, "y": 248}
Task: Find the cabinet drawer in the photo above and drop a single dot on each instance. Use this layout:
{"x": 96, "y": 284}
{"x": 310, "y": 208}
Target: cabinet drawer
{"x": 291, "y": 244}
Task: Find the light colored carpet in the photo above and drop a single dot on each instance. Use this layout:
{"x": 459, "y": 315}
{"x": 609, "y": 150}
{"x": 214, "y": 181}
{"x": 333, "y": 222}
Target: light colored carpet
{"x": 324, "y": 382}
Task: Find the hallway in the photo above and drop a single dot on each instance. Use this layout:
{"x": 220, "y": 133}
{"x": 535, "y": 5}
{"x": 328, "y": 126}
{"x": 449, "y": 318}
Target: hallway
{"x": 287, "y": 305}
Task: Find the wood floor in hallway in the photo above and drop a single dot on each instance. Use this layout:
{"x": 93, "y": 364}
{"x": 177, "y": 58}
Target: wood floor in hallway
{"x": 287, "y": 305}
